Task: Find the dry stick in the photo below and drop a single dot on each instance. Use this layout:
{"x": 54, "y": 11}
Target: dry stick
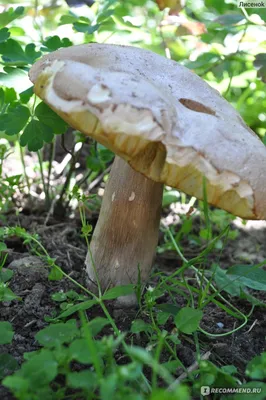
{"x": 192, "y": 367}
{"x": 21, "y": 153}
{"x": 51, "y": 159}
{"x": 70, "y": 172}
{"x": 99, "y": 178}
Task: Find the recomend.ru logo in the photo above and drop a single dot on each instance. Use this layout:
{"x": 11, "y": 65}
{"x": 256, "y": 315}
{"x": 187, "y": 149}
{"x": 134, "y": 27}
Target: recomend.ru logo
{"x": 205, "y": 390}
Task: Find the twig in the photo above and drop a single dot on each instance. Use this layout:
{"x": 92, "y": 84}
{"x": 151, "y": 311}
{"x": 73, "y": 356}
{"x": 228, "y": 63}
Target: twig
{"x": 46, "y": 191}
{"x": 192, "y": 367}
{"x": 252, "y": 326}
{"x": 24, "y": 170}
{"x": 99, "y": 178}
{"x": 51, "y": 159}
{"x": 64, "y": 146}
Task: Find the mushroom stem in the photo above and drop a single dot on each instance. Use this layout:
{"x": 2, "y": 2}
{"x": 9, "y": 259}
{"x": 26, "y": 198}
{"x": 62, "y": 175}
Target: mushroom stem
{"x": 126, "y": 235}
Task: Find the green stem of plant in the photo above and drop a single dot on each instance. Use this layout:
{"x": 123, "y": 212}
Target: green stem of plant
{"x": 91, "y": 345}
{"x": 213, "y": 288}
{"x": 51, "y": 159}
{"x": 21, "y": 152}
{"x": 157, "y": 358}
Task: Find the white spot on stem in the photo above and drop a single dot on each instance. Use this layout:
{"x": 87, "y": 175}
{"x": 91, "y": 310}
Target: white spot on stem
{"x": 132, "y": 196}
{"x": 113, "y": 196}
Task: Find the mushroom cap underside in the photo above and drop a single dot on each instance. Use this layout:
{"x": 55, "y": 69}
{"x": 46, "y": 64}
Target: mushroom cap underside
{"x": 164, "y": 120}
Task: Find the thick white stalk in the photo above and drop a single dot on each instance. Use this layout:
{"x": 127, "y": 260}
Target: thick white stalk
{"x": 126, "y": 235}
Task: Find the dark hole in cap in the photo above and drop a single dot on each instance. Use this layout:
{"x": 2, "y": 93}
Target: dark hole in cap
{"x": 196, "y": 106}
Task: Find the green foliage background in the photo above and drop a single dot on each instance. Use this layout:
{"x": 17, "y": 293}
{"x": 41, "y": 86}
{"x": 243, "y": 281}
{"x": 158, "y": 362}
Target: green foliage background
{"x": 223, "y": 44}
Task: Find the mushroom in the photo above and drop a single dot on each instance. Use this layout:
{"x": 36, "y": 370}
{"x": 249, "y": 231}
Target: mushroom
{"x": 166, "y": 126}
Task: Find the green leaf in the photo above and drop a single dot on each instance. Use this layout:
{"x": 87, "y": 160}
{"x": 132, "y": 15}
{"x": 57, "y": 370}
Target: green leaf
{"x": 169, "y": 197}
{"x": 187, "y": 320}
{"x": 168, "y": 308}
{"x": 12, "y": 53}
{"x": 226, "y": 282}
{"x": 59, "y": 296}
{"x": 31, "y": 54}
{"x": 17, "y": 384}
{"x": 10, "y": 15}
{"x": 40, "y": 369}
{"x": 230, "y": 19}
{"x": 85, "y": 380}
{"x": 249, "y": 275}
{"x": 203, "y": 61}
{"x": 4, "y": 34}
{"x": 229, "y": 369}
{"x": 108, "y": 387}
{"x": 258, "y": 394}
{"x": 118, "y": 291}
{"x": 26, "y": 95}
{"x": 2, "y": 98}
{"x": 180, "y": 393}
{"x": 14, "y": 120}
{"x": 8, "y": 364}
{"x": 260, "y": 64}
{"x": 10, "y": 95}
{"x": 68, "y": 19}
{"x": 139, "y": 326}
{"x": 6, "y": 294}
{"x": 6, "y": 332}
{"x": 15, "y": 77}
{"x": 79, "y": 351}
{"x": 162, "y": 317}
{"x": 143, "y": 356}
{"x": 48, "y": 117}
{"x": 85, "y": 27}
{"x": 55, "y": 274}
{"x": 94, "y": 163}
{"x": 56, "y": 334}
{"x": 35, "y": 134}
{"x": 16, "y": 31}
{"x": 3, "y": 246}
{"x": 256, "y": 368}
{"x": 6, "y": 275}
{"x": 53, "y": 43}
{"x": 97, "y": 324}
{"x": 85, "y": 305}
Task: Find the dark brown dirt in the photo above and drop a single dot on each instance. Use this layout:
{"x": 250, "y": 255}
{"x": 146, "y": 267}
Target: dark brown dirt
{"x": 64, "y": 243}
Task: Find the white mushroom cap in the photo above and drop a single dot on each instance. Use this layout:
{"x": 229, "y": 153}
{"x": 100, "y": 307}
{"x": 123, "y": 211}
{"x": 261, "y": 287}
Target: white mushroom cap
{"x": 163, "y": 119}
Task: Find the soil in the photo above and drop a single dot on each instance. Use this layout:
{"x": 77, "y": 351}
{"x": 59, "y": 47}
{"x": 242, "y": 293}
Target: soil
{"x": 64, "y": 243}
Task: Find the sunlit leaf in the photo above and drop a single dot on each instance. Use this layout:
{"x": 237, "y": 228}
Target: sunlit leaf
{"x": 9, "y": 15}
